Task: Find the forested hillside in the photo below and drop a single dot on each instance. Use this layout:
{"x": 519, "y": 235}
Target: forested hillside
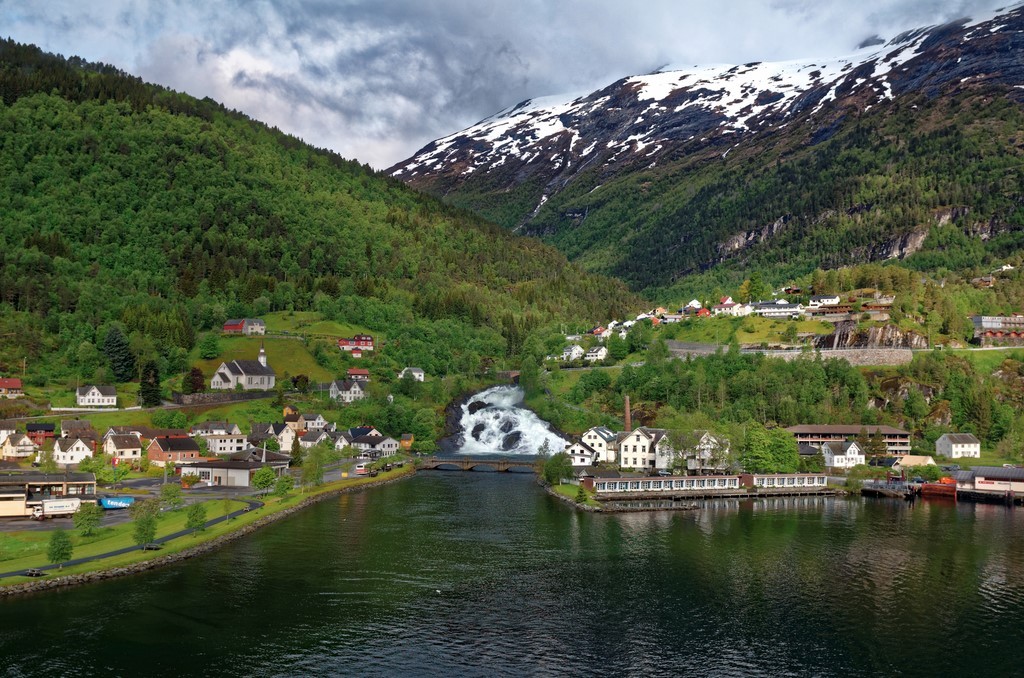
{"x": 123, "y": 202}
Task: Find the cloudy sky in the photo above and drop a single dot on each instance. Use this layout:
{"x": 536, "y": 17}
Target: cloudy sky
{"x": 377, "y": 79}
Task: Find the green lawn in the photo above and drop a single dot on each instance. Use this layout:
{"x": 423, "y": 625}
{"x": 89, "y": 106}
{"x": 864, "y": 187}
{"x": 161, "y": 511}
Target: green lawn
{"x": 988, "y": 362}
{"x": 284, "y": 355}
{"x": 28, "y": 549}
{"x": 749, "y": 330}
{"x": 311, "y": 322}
{"x": 571, "y": 491}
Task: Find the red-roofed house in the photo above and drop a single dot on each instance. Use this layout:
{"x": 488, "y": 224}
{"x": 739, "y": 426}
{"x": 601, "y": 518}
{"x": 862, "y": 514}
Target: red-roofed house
{"x": 360, "y": 342}
{"x": 358, "y": 374}
{"x": 246, "y": 326}
{"x": 10, "y": 387}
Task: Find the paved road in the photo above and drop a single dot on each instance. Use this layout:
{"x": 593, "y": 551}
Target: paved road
{"x": 251, "y": 504}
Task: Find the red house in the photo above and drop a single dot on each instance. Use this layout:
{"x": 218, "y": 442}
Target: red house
{"x": 358, "y": 374}
{"x": 360, "y": 342}
{"x": 10, "y": 387}
{"x": 163, "y": 450}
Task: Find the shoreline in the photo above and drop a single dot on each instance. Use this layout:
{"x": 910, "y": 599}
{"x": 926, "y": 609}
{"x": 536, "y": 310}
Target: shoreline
{"x": 36, "y": 586}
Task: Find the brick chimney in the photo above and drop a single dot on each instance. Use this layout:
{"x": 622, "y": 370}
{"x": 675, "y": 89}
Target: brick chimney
{"x": 629, "y": 416}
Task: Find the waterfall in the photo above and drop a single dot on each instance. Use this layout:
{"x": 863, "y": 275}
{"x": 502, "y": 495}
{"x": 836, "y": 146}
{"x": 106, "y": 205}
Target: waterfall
{"x": 495, "y": 422}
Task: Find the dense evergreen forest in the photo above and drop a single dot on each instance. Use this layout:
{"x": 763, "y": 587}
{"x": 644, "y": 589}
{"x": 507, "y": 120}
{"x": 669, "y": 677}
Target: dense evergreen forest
{"x": 124, "y": 203}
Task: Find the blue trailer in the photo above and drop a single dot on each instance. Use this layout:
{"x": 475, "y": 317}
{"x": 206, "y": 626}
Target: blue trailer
{"x": 116, "y": 502}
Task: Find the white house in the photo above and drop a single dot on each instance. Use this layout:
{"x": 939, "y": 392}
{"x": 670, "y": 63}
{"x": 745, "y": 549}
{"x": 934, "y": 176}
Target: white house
{"x": 71, "y": 450}
{"x": 416, "y": 373}
{"x": 842, "y": 455}
{"x": 226, "y": 443}
{"x": 313, "y": 422}
{"x": 694, "y": 304}
{"x": 573, "y": 352}
{"x": 376, "y": 446}
{"x": 123, "y": 446}
{"x": 314, "y": 438}
{"x": 603, "y": 441}
{"x": 582, "y": 454}
{"x": 214, "y": 428}
{"x": 596, "y": 353}
{"x": 726, "y": 306}
{"x": 347, "y": 391}
{"x": 18, "y": 447}
{"x": 708, "y": 452}
{"x": 282, "y": 433}
{"x": 252, "y": 375}
{"x": 957, "y": 445}
{"x": 96, "y": 396}
{"x": 645, "y": 448}
{"x": 779, "y": 308}
{"x": 7, "y": 428}
{"x": 823, "y": 300}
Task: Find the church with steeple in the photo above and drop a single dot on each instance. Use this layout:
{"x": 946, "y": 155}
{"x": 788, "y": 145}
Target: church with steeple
{"x": 251, "y": 375}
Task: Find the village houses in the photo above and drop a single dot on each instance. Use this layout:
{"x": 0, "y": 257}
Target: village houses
{"x": 67, "y": 451}
{"x": 245, "y": 326}
{"x": 123, "y": 447}
{"x": 347, "y": 391}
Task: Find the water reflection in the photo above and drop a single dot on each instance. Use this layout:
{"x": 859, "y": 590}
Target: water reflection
{"x": 484, "y": 574}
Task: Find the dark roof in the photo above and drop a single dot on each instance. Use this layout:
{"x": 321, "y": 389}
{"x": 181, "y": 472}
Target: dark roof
{"x": 807, "y": 450}
{"x": 177, "y": 444}
{"x": 407, "y": 436}
{"x": 599, "y": 472}
{"x": 290, "y": 417}
{"x": 369, "y": 440}
{"x": 585, "y": 446}
{"x": 846, "y": 429}
{"x": 256, "y": 454}
{"x": 7, "y": 425}
{"x": 11, "y": 477}
{"x": 33, "y": 428}
{"x": 125, "y": 441}
{"x": 75, "y": 424}
{"x": 347, "y": 385}
{"x": 313, "y": 436}
{"x": 250, "y": 368}
{"x": 887, "y": 462}
{"x": 231, "y": 464}
{"x": 108, "y": 391}
{"x": 999, "y": 473}
{"x": 962, "y": 476}
{"x": 359, "y": 431}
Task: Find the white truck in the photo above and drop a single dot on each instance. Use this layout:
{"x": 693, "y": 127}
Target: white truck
{"x": 56, "y": 508}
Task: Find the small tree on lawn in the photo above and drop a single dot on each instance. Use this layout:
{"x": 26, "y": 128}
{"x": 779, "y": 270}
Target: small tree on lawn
{"x": 195, "y": 518}
{"x": 313, "y": 468}
{"x": 145, "y": 528}
{"x": 60, "y": 547}
{"x": 557, "y": 467}
{"x": 581, "y": 496}
{"x": 170, "y": 495}
{"x": 209, "y": 348}
{"x": 47, "y": 464}
{"x": 283, "y": 485}
{"x": 264, "y": 479}
{"x": 87, "y": 519}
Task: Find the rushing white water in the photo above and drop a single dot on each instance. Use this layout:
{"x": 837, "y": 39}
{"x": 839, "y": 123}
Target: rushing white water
{"x": 495, "y": 422}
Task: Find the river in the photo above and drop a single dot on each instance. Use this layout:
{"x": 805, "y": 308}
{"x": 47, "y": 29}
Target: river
{"x": 451, "y": 574}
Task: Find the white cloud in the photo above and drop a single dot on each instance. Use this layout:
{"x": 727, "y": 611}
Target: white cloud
{"x": 376, "y": 81}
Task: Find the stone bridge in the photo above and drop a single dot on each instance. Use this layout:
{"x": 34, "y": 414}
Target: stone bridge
{"x": 473, "y": 463}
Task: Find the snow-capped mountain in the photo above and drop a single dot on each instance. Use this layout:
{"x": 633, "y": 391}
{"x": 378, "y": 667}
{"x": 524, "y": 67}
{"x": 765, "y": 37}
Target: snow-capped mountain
{"x": 513, "y": 166}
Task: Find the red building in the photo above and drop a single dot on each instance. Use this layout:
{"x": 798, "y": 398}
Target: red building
{"x": 175, "y": 450}
{"x": 40, "y": 433}
{"x": 10, "y": 387}
{"x": 360, "y": 342}
{"x": 358, "y": 374}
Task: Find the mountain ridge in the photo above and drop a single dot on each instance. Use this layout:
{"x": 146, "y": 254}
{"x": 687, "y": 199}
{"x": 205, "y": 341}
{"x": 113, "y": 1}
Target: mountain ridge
{"x": 539, "y": 166}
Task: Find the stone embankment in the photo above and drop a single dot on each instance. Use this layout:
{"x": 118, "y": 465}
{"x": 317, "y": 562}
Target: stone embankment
{"x": 218, "y": 398}
{"x": 858, "y": 357}
{"x": 200, "y": 549}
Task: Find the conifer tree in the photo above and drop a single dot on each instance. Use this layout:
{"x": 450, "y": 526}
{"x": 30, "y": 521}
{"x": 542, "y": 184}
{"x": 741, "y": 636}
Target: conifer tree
{"x": 149, "y": 388}
{"x": 118, "y": 352}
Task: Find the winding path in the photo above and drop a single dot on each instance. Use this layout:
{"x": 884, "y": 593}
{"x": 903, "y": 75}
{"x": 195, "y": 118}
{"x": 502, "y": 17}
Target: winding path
{"x": 251, "y": 504}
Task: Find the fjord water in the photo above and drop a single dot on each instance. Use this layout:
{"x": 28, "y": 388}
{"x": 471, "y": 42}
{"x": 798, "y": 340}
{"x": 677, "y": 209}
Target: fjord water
{"x": 450, "y": 574}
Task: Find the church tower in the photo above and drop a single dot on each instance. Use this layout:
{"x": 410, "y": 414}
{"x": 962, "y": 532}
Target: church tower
{"x": 263, "y": 355}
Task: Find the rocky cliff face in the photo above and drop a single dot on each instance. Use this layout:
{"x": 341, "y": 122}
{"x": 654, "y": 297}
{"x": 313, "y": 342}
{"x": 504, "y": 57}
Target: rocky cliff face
{"x": 847, "y": 335}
